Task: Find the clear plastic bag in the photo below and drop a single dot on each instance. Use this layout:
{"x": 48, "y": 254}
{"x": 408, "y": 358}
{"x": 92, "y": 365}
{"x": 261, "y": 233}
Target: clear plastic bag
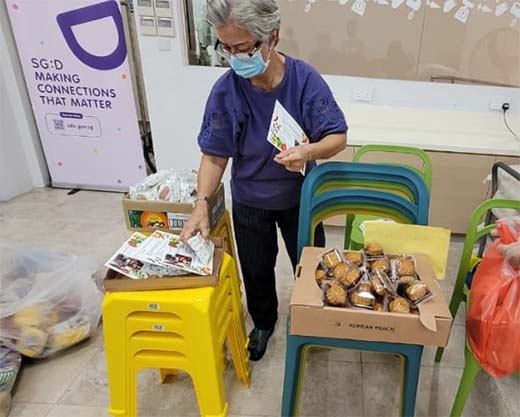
{"x": 509, "y": 189}
{"x": 48, "y": 301}
{"x": 167, "y": 185}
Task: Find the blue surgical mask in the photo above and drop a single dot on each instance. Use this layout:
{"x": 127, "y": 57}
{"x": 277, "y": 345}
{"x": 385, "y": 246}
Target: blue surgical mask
{"x": 248, "y": 66}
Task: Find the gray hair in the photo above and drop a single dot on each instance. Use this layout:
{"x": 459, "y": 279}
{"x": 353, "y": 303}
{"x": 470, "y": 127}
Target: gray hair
{"x": 258, "y": 17}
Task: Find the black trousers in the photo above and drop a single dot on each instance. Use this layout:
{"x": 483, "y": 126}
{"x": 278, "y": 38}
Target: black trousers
{"x": 257, "y": 242}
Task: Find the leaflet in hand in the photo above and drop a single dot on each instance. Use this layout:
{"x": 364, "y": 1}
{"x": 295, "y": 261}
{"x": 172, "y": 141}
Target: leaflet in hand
{"x": 126, "y": 262}
{"x": 166, "y": 250}
{"x": 284, "y": 131}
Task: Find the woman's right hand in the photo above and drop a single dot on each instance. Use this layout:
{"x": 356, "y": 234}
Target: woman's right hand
{"x": 198, "y": 221}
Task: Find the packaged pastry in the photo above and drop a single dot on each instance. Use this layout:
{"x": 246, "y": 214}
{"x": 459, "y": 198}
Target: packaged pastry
{"x": 362, "y": 298}
{"x": 31, "y": 341}
{"x": 373, "y": 249}
{"x": 417, "y": 292}
{"x": 377, "y": 284}
{"x": 404, "y": 265}
{"x": 335, "y": 295}
{"x": 379, "y": 306}
{"x": 68, "y": 333}
{"x": 398, "y": 305}
{"x": 321, "y": 276}
{"x": 382, "y": 264}
{"x": 355, "y": 258}
{"x": 37, "y": 315}
{"x": 383, "y": 278}
{"x": 406, "y": 279}
{"x": 331, "y": 258}
{"x": 348, "y": 275}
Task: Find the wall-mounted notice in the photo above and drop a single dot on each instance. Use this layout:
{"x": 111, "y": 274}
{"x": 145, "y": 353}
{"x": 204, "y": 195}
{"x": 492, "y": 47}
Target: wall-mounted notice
{"x": 75, "y": 64}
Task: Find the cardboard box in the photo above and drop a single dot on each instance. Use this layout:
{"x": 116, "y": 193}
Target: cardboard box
{"x": 147, "y": 216}
{"x": 310, "y": 317}
{"x": 115, "y": 281}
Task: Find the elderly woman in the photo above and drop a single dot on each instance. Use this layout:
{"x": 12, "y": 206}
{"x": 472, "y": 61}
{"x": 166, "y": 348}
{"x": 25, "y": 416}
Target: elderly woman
{"x": 265, "y": 183}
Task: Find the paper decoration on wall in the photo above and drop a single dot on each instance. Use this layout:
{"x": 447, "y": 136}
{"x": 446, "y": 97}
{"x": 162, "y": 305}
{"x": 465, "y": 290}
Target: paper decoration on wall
{"x": 449, "y": 5}
{"x": 515, "y": 11}
{"x": 484, "y": 9}
{"x": 359, "y": 7}
{"x": 462, "y": 13}
{"x": 397, "y": 3}
{"x": 414, "y": 5}
{"x": 501, "y": 9}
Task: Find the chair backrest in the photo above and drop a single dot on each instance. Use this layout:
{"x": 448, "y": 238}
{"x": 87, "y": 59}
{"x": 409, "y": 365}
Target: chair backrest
{"x": 315, "y": 207}
{"x": 426, "y": 172}
{"x": 475, "y": 232}
{"x": 499, "y": 165}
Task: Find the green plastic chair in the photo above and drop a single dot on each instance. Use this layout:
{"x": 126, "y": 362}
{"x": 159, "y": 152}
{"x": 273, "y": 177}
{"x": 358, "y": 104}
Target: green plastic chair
{"x": 461, "y": 292}
{"x": 353, "y": 235}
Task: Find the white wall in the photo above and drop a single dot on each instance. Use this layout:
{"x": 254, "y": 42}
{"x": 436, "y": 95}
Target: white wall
{"x": 177, "y": 94}
{"x": 22, "y": 164}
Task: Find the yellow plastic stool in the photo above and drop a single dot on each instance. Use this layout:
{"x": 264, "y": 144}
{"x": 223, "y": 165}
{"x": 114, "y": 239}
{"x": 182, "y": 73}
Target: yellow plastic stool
{"x": 224, "y": 230}
{"x": 176, "y": 330}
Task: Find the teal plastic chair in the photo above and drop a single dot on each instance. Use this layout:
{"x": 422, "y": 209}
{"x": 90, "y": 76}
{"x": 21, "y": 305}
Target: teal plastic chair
{"x": 461, "y": 293}
{"x": 353, "y": 236}
{"x": 314, "y": 208}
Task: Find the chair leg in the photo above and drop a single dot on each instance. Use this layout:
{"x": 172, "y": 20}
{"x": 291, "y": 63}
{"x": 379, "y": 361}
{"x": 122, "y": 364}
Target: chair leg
{"x": 456, "y": 298}
{"x": 292, "y": 377}
{"x": 412, "y": 367}
{"x": 471, "y": 370}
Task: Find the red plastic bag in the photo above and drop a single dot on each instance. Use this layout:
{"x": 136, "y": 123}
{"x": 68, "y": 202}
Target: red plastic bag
{"x": 493, "y": 320}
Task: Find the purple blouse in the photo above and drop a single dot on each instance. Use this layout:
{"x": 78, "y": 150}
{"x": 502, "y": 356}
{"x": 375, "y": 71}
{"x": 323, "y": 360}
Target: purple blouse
{"x": 236, "y": 122}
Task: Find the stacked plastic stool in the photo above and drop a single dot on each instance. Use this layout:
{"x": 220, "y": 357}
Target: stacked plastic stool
{"x": 184, "y": 329}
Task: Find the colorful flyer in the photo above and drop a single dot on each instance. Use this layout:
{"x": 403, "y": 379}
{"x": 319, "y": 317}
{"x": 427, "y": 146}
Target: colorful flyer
{"x": 166, "y": 250}
{"x": 125, "y": 261}
{"x": 284, "y": 131}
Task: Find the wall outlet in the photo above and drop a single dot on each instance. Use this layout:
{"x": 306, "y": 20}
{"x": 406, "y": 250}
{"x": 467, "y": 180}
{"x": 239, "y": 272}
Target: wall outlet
{"x": 497, "y": 102}
{"x": 362, "y": 95}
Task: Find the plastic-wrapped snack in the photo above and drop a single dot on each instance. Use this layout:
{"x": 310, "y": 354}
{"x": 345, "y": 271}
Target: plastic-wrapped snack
{"x": 405, "y": 265}
{"x": 331, "y": 258}
{"x": 417, "y": 292}
{"x": 31, "y": 341}
{"x": 347, "y": 274}
{"x": 406, "y": 279}
{"x": 363, "y": 297}
{"x": 335, "y": 295}
{"x": 382, "y": 264}
{"x": 373, "y": 249}
{"x": 379, "y": 306}
{"x": 378, "y": 284}
{"x": 355, "y": 258}
{"x": 322, "y": 277}
{"x": 398, "y": 305}
{"x": 389, "y": 285}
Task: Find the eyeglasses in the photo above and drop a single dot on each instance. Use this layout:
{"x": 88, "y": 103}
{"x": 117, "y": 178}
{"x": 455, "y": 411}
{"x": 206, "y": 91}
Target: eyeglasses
{"x": 226, "y": 51}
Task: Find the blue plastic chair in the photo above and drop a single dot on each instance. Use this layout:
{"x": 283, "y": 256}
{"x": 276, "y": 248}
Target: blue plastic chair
{"x": 313, "y": 209}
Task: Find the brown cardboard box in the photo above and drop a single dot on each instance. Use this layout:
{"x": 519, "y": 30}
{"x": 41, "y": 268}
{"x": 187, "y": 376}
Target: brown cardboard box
{"x": 115, "y": 281}
{"x": 168, "y": 216}
{"x": 309, "y": 316}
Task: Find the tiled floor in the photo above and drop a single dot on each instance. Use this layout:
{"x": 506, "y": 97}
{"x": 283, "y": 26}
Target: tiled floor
{"x": 337, "y": 383}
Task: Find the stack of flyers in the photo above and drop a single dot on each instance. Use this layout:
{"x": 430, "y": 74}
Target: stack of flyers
{"x": 284, "y": 131}
{"x": 125, "y": 261}
{"x": 163, "y": 254}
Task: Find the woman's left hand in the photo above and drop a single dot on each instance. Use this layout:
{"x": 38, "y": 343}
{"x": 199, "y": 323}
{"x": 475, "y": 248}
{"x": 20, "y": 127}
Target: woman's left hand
{"x": 294, "y": 159}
